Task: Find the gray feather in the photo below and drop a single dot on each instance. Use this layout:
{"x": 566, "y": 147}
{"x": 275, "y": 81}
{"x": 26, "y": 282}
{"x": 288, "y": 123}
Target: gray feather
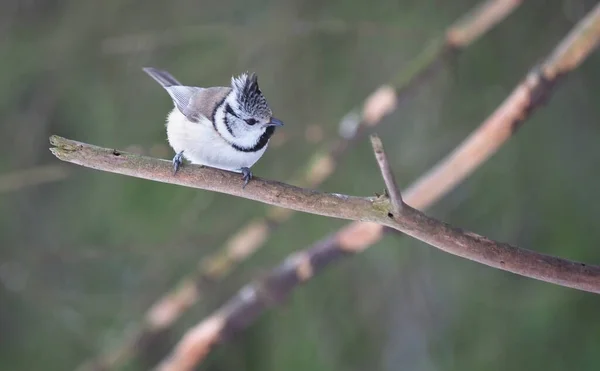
{"x": 191, "y": 101}
{"x": 182, "y": 97}
{"x": 164, "y": 78}
{"x": 181, "y": 94}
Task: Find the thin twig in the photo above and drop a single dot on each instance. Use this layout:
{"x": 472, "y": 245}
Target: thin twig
{"x": 387, "y": 174}
{"x": 239, "y": 313}
{"x": 250, "y": 238}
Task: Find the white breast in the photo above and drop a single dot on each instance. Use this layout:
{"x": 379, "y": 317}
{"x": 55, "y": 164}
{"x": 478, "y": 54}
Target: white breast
{"x": 201, "y": 144}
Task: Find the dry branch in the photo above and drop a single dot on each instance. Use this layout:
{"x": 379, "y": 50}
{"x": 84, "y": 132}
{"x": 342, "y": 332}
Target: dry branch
{"x": 376, "y": 107}
{"x": 238, "y": 313}
{"x": 211, "y": 179}
{"x": 387, "y": 175}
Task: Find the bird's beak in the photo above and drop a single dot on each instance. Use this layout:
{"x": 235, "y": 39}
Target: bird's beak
{"x": 275, "y": 122}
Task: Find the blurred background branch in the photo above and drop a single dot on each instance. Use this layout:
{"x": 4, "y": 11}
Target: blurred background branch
{"x": 151, "y": 40}
{"x": 464, "y": 32}
{"x": 29, "y": 177}
{"x": 251, "y": 237}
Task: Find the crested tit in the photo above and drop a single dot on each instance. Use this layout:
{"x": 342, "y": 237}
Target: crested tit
{"x": 224, "y": 127}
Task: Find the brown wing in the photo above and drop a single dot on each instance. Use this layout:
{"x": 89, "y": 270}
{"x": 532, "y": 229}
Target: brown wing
{"x": 204, "y": 102}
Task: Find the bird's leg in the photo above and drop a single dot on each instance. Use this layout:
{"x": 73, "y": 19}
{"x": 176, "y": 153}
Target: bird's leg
{"x": 246, "y": 175}
{"x": 177, "y": 162}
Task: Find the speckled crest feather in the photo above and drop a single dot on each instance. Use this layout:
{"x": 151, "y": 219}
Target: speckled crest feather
{"x": 249, "y": 96}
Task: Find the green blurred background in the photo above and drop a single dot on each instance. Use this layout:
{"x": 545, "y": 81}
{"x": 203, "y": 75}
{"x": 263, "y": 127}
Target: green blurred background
{"x": 82, "y": 258}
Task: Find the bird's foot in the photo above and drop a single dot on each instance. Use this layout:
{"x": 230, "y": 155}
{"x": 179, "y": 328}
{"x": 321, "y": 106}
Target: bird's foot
{"x": 246, "y": 175}
{"x": 177, "y": 162}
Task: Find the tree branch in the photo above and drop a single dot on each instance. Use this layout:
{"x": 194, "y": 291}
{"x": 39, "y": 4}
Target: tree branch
{"x": 387, "y": 175}
{"x": 371, "y": 209}
{"x": 211, "y": 179}
{"x": 239, "y": 313}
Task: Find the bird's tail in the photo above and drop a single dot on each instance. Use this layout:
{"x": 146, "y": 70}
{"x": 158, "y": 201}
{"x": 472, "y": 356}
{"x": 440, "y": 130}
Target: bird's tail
{"x": 162, "y": 77}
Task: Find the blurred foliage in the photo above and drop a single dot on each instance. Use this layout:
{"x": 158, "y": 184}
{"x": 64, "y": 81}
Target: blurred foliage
{"x": 81, "y": 259}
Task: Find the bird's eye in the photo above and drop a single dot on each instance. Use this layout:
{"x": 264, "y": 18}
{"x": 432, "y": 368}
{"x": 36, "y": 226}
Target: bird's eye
{"x": 250, "y": 122}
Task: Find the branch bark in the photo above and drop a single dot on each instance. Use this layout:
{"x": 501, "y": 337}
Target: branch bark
{"x": 211, "y": 179}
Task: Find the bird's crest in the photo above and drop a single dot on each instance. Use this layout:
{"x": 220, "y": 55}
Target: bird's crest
{"x": 251, "y": 100}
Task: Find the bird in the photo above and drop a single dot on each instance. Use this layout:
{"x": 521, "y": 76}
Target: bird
{"x": 225, "y": 127}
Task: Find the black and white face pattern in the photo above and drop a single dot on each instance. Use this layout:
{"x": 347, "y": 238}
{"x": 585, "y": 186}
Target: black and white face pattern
{"x": 252, "y": 106}
{"x": 246, "y": 115}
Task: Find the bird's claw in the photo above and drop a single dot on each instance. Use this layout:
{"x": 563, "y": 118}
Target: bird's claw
{"x": 177, "y": 162}
{"x": 246, "y": 175}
